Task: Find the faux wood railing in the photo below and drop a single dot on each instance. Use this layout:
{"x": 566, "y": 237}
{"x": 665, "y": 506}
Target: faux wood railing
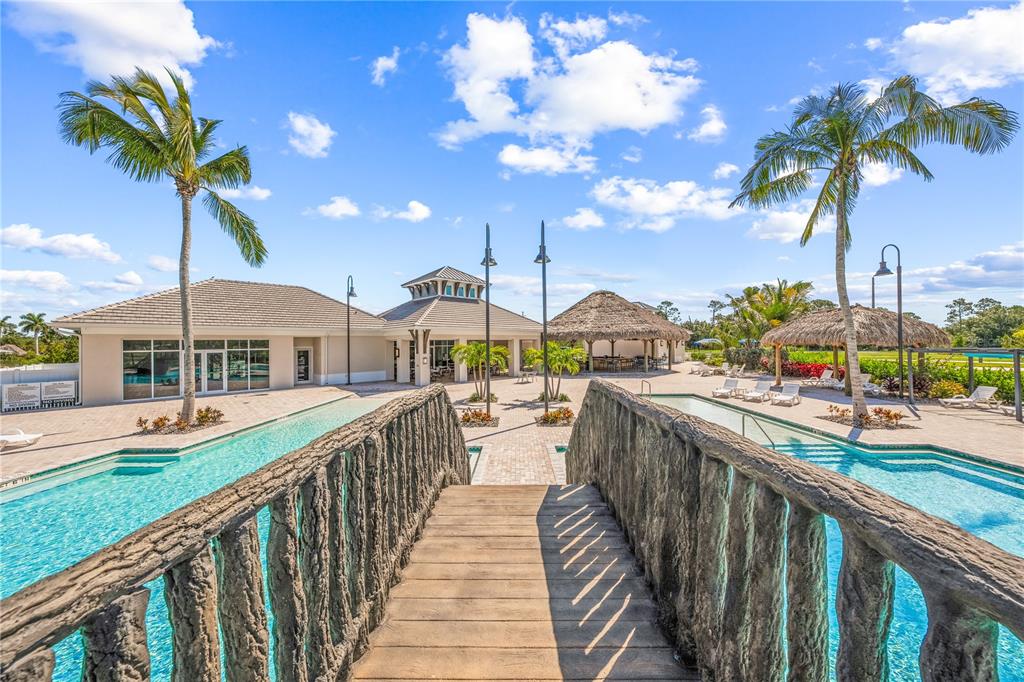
{"x": 345, "y": 511}
{"x": 726, "y": 530}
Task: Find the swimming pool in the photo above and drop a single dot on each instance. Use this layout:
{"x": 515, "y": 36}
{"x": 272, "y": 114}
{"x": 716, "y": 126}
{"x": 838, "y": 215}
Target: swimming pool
{"x": 987, "y": 501}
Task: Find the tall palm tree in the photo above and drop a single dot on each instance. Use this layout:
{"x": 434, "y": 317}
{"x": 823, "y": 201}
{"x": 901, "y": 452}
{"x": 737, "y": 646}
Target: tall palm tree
{"x": 152, "y": 137}
{"x": 34, "y": 324}
{"x": 838, "y": 134}
{"x": 7, "y": 327}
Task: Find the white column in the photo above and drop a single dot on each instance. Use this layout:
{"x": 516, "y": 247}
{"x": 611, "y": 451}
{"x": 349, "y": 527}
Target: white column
{"x": 461, "y": 371}
{"x": 402, "y": 376}
{"x": 325, "y": 370}
{"x": 513, "y": 361}
{"x": 422, "y": 361}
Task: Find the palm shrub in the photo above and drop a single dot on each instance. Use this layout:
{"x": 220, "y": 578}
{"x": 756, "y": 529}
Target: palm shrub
{"x": 474, "y": 356}
{"x": 153, "y": 137}
{"x": 838, "y": 134}
{"x": 561, "y": 358}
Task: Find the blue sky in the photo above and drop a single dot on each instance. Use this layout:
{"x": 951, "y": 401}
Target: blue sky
{"x": 384, "y": 136}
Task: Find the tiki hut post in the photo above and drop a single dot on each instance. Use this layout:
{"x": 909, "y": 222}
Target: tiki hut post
{"x": 835, "y": 361}
{"x": 645, "y": 354}
{"x": 590, "y": 356}
{"x": 613, "y": 348}
{"x": 778, "y": 364}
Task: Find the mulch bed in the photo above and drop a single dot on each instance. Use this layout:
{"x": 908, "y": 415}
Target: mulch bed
{"x": 540, "y": 422}
{"x": 873, "y": 425}
{"x": 481, "y": 425}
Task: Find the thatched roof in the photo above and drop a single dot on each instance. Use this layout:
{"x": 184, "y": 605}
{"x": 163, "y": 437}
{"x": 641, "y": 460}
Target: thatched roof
{"x": 606, "y": 316}
{"x": 875, "y": 327}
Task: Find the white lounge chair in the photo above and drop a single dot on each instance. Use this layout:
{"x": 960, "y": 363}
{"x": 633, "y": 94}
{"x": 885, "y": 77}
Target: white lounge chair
{"x": 727, "y": 390}
{"x": 873, "y": 389}
{"x": 824, "y": 380}
{"x": 18, "y": 439}
{"x": 760, "y": 393}
{"x": 1009, "y": 410}
{"x": 790, "y": 395}
{"x": 735, "y": 371}
{"x": 983, "y": 397}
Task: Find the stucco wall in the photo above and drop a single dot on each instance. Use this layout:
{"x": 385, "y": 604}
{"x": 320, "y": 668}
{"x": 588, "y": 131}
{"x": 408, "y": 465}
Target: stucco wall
{"x": 371, "y": 359}
{"x": 100, "y": 369}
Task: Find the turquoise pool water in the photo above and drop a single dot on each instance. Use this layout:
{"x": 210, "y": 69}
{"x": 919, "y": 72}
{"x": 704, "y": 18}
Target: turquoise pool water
{"x": 49, "y": 530}
{"x": 986, "y": 501}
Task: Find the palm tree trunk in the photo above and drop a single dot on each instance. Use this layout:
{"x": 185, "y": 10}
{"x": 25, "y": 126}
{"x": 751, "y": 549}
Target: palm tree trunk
{"x": 36, "y": 339}
{"x": 188, "y": 406}
{"x": 860, "y": 406}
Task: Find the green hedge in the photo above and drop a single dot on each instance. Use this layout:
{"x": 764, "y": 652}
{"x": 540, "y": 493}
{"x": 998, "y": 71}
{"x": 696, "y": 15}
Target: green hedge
{"x": 938, "y": 371}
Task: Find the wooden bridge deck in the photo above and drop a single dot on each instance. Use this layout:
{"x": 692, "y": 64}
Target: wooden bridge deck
{"x": 517, "y": 583}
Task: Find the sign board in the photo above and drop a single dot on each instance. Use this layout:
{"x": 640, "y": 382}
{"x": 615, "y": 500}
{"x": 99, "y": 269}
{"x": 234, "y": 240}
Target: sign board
{"x": 58, "y": 391}
{"x": 21, "y": 396}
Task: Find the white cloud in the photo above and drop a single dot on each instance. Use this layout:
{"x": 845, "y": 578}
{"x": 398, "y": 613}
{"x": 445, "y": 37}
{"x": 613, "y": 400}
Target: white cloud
{"x": 873, "y": 43}
{"x": 309, "y": 136}
{"x": 129, "y": 282}
{"x": 621, "y": 277}
{"x": 382, "y": 66}
{"x": 113, "y": 38}
{"x": 627, "y": 19}
{"x": 254, "y": 192}
{"x": 548, "y": 160}
{"x": 337, "y": 208}
{"x": 415, "y": 212}
{"x": 712, "y": 127}
{"x": 633, "y": 155}
{"x": 566, "y": 99}
{"x": 878, "y": 174}
{"x": 786, "y": 224}
{"x": 43, "y": 280}
{"x": 523, "y": 285}
{"x": 650, "y": 206}
{"x": 162, "y": 264}
{"x": 958, "y": 57}
{"x": 724, "y": 170}
{"x": 24, "y": 237}
{"x": 583, "y": 219}
{"x": 999, "y": 268}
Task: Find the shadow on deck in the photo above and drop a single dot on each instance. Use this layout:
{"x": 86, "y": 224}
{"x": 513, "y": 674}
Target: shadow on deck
{"x": 521, "y": 582}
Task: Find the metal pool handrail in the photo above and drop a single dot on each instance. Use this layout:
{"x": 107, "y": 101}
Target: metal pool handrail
{"x": 650, "y": 389}
{"x": 731, "y": 536}
{"x": 362, "y": 492}
{"x": 743, "y": 428}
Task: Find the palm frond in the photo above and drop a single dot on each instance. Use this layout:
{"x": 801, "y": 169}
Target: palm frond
{"x": 824, "y": 205}
{"x": 148, "y": 87}
{"x": 882, "y": 150}
{"x": 204, "y": 137}
{"x": 240, "y": 226}
{"x": 229, "y": 170}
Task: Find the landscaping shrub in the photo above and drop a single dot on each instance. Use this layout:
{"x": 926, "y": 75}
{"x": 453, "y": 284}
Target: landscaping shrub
{"x": 751, "y": 358}
{"x": 479, "y": 398}
{"x": 710, "y": 357}
{"x": 161, "y": 422}
{"x": 208, "y": 415}
{"x": 561, "y": 415}
{"x": 142, "y": 423}
{"x": 181, "y": 423}
{"x": 946, "y": 388}
{"x": 477, "y": 418}
{"x": 562, "y": 398}
{"x": 806, "y": 370}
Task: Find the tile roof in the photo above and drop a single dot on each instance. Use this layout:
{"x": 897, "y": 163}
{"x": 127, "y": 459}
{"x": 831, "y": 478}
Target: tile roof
{"x": 445, "y": 311}
{"x": 227, "y": 303}
{"x": 448, "y": 273}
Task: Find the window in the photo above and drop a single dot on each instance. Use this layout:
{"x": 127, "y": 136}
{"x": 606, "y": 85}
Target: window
{"x": 259, "y": 369}
{"x": 461, "y": 292}
{"x": 166, "y": 374}
{"x": 152, "y": 368}
{"x": 207, "y": 344}
{"x": 448, "y": 290}
{"x": 238, "y": 370}
{"x": 472, "y": 292}
{"x": 137, "y": 374}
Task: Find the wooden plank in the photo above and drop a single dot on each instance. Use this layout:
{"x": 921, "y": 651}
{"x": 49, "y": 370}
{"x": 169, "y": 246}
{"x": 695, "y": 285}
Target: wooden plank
{"x": 621, "y": 606}
{"x": 518, "y": 571}
{"x": 589, "y": 529}
{"x": 567, "y": 545}
{"x": 522, "y": 634}
{"x": 534, "y": 664}
{"x": 520, "y": 589}
{"x": 554, "y": 522}
{"x": 504, "y": 556}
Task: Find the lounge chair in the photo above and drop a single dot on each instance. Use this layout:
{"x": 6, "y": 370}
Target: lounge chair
{"x": 760, "y": 393}
{"x": 727, "y": 390}
{"x": 873, "y": 389}
{"x": 790, "y": 395}
{"x": 983, "y": 397}
{"x": 824, "y": 380}
{"x": 18, "y": 439}
{"x": 1008, "y": 410}
{"x": 735, "y": 371}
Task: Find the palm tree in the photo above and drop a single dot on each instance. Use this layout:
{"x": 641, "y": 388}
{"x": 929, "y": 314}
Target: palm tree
{"x": 474, "y": 356}
{"x": 7, "y": 327}
{"x": 561, "y": 358}
{"x": 838, "y": 134}
{"x": 152, "y": 137}
{"x": 34, "y": 324}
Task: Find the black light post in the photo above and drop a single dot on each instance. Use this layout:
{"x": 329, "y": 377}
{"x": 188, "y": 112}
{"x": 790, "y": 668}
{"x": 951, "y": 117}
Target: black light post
{"x": 488, "y": 262}
{"x": 350, "y": 293}
{"x": 873, "y": 290}
{"x": 884, "y": 270}
{"x": 543, "y": 260}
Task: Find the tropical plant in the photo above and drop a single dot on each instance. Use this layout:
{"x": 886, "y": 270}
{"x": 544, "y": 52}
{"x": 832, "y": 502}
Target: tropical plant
{"x": 152, "y": 137}
{"x": 35, "y": 325}
{"x": 841, "y": 132}
{"x": 7, "y": 328}
{"x": 474, "y": 356}
{"x": 561, "y": 358}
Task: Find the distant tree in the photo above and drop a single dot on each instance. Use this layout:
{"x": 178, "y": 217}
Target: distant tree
{"x": 154, "y": 138}
{"x": 837, "y": 135}
{"x": 34, "y": 324}
{"x": 958, "y": 308}
{"x": 716, "y": 307}
{"x": 820, "y": 304}
{"x": 7, "y": 328}
{"x": 912, "y": 316}
{"x": 699, "y": 329}
{"x": 1015, "y": 339}
{"x": 986, "y": 304}
{"x": 669, "y": 311}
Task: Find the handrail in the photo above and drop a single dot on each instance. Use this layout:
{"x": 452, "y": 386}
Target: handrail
{"x": 732, "y": 539}
{"x": 392, "y": 463}
{"x": 650, "y": 390}
{"x": 743, "y": 428}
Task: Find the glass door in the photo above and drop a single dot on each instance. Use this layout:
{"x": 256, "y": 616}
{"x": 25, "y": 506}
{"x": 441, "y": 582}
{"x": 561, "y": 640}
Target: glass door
{"x": 210, "y": 371}
{"x": 303, "y": 365}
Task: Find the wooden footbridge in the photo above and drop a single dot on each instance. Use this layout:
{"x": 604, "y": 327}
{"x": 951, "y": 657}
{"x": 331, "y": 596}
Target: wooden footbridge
{"x": 679, "y": 551}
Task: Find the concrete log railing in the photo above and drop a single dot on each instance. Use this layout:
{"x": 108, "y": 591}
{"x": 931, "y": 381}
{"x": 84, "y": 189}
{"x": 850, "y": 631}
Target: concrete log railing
{"x": 731, "y": 537}
{"x": 345, "y": 511}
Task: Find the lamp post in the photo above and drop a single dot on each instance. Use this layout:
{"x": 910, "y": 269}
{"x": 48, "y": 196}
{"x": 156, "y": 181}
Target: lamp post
{"x": 873, "y": 290}
{"x": 543, "y": 260}
{"x": 350, "y": 293}
{"x": 884, "y": 270}
{"x": 488, "y": 262}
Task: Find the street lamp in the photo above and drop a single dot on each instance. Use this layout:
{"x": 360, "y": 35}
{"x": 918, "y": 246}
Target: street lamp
{"x": 873, "y": 290}
{"x": 488, "y": 262}
{"x": 350, "y": 293}
{"x": 884, "y": 270}
{"x": 543, "y": 260}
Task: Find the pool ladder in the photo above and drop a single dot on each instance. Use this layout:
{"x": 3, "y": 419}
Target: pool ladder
{"x": 743, "y": 428}
{"x": 650, "y": 390}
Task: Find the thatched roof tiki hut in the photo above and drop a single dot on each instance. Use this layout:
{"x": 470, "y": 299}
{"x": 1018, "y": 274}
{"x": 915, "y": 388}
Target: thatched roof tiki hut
{"x": 606, "y": 316}
{"x": 875, "y": 327}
